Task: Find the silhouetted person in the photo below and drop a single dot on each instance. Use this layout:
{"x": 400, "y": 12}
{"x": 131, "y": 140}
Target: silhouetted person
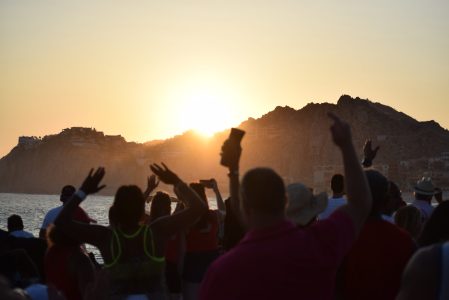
{"x": 133, "y": 252}
{"x": 201, "y": 245}
{"x": 337, "y": 199}
{"x": 373, "y": 267}
{"x": 303, "y": 206}
{"x": 427, "y": 274}
{"x": 424, "y": 191}
{"x": 66, "y": 193}
{"x": 15, "y": 227}
{"x": 436, "y": 229}
{"x": 409, "y": 219}
{"x": 276, "y": 259}
{"x": 394, "y": 202}
{"x": 67, "y": 266}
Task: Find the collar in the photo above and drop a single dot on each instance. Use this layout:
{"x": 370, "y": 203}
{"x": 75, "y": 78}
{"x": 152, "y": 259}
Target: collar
{"x": 267, "y": 232}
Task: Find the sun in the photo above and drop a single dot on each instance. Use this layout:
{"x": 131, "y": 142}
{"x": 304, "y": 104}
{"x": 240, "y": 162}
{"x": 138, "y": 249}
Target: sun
{"x": 207, "y": 110}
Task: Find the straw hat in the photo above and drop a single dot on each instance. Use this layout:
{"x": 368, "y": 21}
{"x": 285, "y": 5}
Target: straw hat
{"x": 302, "y": 205}
{"x": 424, "y": 186}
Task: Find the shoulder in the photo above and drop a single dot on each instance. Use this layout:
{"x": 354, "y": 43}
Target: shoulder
{"x": 420, "y": 276}
{"x": 338, "y": 220}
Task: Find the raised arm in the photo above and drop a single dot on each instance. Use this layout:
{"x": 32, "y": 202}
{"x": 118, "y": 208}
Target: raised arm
{"x": 233, "y": 152}
{"x": 357, "y": 188}
{"x": 194, "y": 207}
{"x": 369, "y": 154}
{"x": 212, "y": 184}
{"x": 152, "y": 184}
{"x": 84, "y": 233}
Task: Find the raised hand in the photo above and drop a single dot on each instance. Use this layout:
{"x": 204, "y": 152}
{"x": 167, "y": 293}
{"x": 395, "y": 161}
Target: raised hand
{"x": 230, "y": 154}
{"x": 152, "y": 184}
{"x": 91, "y": 183}
{"x": 165, "y": 174}
{"x": 369, "y": 152}
{"x": 209, "y": 183}
{"x": 341, "y": 131}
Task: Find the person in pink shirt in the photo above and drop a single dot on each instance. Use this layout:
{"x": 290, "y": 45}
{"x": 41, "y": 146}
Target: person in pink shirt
{"x": 276, "y": 259}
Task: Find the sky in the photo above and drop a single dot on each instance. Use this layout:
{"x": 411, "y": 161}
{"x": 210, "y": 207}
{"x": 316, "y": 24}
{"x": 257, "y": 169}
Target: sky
{"x": 153, "y": 69}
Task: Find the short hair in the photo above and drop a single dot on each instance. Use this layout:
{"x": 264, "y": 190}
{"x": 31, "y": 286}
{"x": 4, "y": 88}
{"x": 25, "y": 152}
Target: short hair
{"x": 67, "y": 192}
{"x": 379, "y": 186}
{"x": 15, "y": 223}
{"x": 263, "y": 190}
{"x": 338, "y": 183}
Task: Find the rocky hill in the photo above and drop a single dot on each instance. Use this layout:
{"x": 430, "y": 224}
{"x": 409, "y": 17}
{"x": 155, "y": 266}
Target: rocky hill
{"x": 296, "y": 143}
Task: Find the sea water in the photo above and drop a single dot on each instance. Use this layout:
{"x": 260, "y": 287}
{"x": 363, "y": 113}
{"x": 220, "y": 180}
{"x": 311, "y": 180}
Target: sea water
{"x": 32, "y": 209}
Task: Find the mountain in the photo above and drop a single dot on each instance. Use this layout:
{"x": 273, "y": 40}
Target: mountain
{"x": 296, "y": 143}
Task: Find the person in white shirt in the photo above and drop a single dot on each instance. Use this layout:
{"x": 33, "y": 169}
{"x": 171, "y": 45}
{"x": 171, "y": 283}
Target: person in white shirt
{"x": 338, "y": 199}
{"x": 424, "y": 191}
{"x": 15, "y": 227}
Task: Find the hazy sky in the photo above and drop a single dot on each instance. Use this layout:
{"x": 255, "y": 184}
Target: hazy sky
{"x": 153, "y": 69}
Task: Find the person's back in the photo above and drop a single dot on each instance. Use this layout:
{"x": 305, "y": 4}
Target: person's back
{"x": 427, "y": 274}
{"x": 337, "y": 200}
{"x": 283, "y": 261}
{"x": 133, "y": 253}
{"x": 276, "y": 259}
{"x": 424, "y": 191}
{"x": 60, "y": 270}
{"x": 373, "y": 267}
{"x": 135, "y": 269}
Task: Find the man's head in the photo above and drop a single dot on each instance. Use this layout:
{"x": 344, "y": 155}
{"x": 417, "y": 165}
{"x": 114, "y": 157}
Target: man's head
{"x": 263, "y": 192}
{"x": 67, "y": 192}
{"x": 395, "y": 200}
{"x": 424, "y": 189}
{"x": 378, "y": 184}
{"x": 15, "y": 223}
{"x": 338, "y": 184}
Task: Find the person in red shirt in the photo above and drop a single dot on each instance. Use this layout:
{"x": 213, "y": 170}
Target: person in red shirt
{"x": 201, "y": 242}
{"x": 276, "y": 259}
{"x": 373, "y": 267}
{"x": 67, "y": 266}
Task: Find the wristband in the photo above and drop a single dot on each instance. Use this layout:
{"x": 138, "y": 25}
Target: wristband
{"x": 80, "y": 194}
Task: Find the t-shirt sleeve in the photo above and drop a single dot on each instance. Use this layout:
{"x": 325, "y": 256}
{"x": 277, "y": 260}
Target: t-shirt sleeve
{"x": 46, "y": 222}
{"x": 335, "y": 234}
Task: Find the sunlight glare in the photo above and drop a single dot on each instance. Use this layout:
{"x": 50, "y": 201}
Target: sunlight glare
{"x": 207, "y": 110}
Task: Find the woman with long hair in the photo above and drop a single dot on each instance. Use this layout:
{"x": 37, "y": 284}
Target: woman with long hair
{"x": 133, "y": 252}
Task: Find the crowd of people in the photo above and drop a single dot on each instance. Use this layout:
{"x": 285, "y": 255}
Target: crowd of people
{"x": 268, "y": 240}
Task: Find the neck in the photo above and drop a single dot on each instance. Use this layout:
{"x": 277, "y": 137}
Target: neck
{"x": 259, "y": 221}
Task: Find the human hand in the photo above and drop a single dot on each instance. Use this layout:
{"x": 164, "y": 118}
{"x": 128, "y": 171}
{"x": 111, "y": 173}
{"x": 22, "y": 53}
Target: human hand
{"x": 369, "y": 152}
{"x": 209, "y": 183}
{"x": 165, "y": 174}
{"x": 230, "y": 155}
{"x": 341, "y": 131}
{"x": 90, "y": 184}
{"x": 152, "y": 184}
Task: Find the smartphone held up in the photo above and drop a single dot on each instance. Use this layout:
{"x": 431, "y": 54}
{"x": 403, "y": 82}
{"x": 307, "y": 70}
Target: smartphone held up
{"x": 231, "y": 148}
